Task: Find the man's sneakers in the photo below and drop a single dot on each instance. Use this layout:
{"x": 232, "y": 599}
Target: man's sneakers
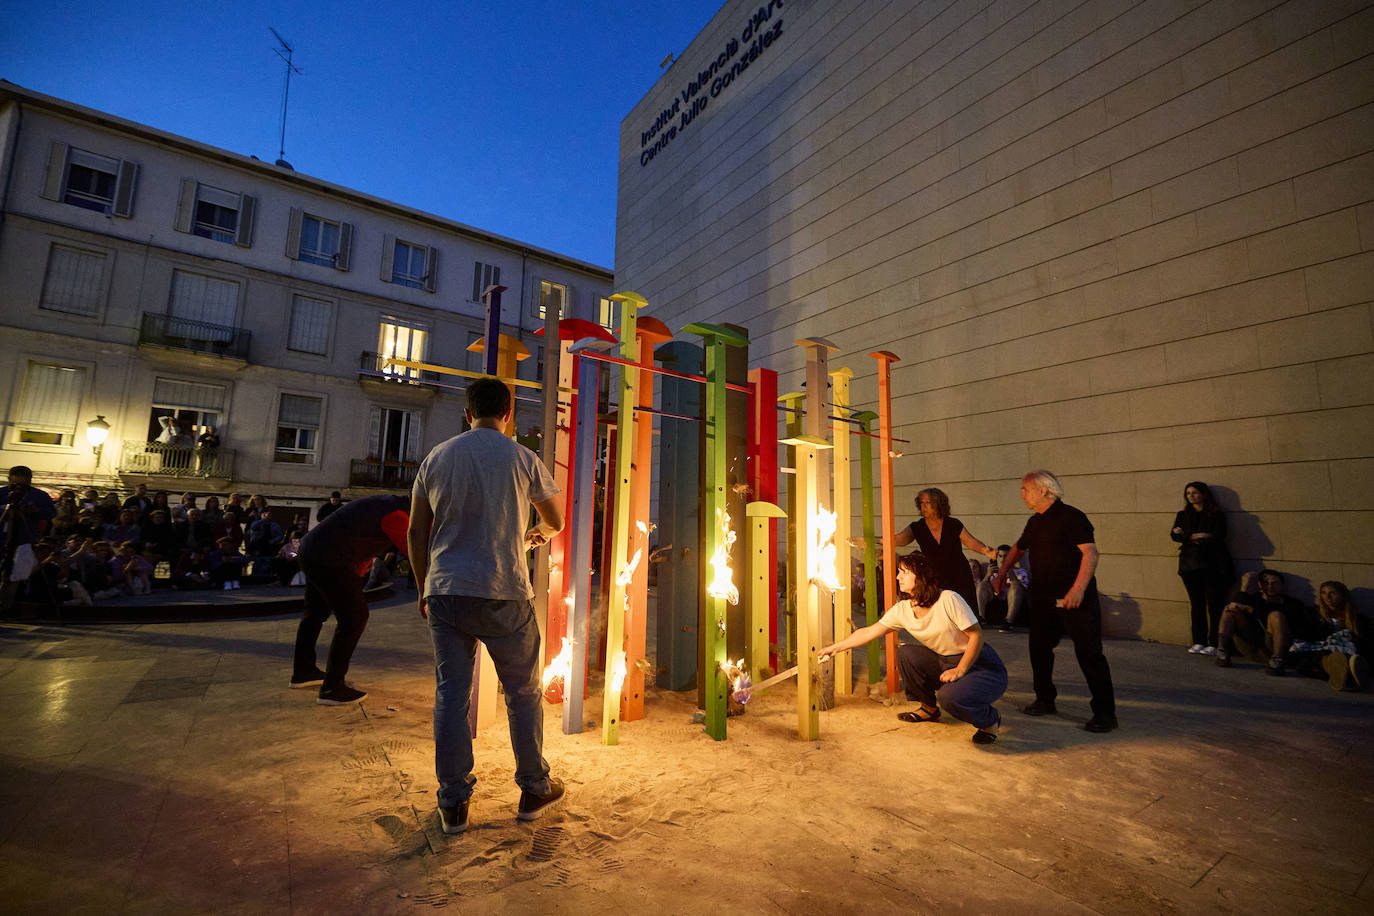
{"x": 1223, "y": 658}
{"x": 1275, "y": 666}
{"x": 1100, "y": 724}
{"x": 532, "y": 806}
{"x": 1041, "y": 708}
{"x": 454, "y": 820}
{"x": 341, "y": 695}
{"x": 310, "y": 680}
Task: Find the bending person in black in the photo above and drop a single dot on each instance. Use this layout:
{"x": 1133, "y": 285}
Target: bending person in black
{"x": 334, "y": 556}
{"x": 943, "y": 540}
{"x": 1063, "y": 597}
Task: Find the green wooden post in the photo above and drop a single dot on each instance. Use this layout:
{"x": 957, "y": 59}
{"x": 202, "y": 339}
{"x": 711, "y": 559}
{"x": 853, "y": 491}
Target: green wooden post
{"x": 871, "y": 610}
{"x": 717, "y": 685}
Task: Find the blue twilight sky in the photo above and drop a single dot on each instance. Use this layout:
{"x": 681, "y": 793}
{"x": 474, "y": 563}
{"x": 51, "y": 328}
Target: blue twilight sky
{"x": 501, "y": 115}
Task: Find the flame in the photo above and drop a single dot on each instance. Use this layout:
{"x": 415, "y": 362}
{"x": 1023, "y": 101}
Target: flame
{"x": 560, "y": 667}
{"x": 740, "y": 682}
{"x": 617, "y": 671}
{"x": 722, "y": 584}
{"x": 823, "y": 553}
{"x": 628, "y": 572}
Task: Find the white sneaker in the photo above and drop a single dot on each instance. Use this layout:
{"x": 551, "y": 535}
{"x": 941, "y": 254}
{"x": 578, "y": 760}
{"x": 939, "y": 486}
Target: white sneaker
{"x": 1196, "y": 648}
{"x": 1209, "y": 650}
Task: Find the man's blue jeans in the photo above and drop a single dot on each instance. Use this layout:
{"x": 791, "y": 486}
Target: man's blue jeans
{"x": 510, "y": 633}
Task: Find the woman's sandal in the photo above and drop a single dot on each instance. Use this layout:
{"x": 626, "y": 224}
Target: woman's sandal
{"x": 919, "y": 715}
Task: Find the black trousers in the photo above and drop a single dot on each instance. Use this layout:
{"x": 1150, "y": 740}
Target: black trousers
{"x": 1083, "y": 625}
{"x": 1206, "y": 597}
{"x": 340, "y": 590}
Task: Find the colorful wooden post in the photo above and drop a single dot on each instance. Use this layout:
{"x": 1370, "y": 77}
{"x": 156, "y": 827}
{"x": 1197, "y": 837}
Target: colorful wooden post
{"x": 808, "y": 590}
{"x": 762, "y": 574}
{"x": 580, "y": 544}
{"x": 560, "y": 439}
{"x": 842, "y": 600}
{"x": 716, "y": 339}
{"x": 649, "y": 333}
{"x": 885, "y": 360}
{"x": 787, "y": 622}
{"x": 620, "y": 523}
{"x": 871, "y": 609}
{"x": 763, "y": 482}
{"x": 817, "y": 424}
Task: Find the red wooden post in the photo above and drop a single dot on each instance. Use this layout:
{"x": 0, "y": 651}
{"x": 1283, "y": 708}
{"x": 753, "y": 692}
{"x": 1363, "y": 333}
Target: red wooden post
{"x": 763, "y": 479}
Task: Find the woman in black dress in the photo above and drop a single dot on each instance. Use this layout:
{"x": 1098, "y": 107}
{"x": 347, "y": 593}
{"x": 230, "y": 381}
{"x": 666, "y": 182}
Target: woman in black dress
{"x": 1204, "y": 563}
{"x": 943, "y": 539}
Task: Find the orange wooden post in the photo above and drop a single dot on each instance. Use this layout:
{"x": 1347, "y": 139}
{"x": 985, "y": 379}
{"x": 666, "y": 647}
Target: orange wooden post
{"x": 885, "y": 360}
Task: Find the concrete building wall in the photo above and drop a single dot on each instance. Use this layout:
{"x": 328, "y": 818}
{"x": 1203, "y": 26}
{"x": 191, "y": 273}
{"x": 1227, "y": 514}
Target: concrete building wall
{"x": 142, "y": 254}
{"x": 1131, "y": 242}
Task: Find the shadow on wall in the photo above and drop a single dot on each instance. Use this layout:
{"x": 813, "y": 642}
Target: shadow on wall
{"x": 1245, "y": 537}
{"x": 1121, "y": 617}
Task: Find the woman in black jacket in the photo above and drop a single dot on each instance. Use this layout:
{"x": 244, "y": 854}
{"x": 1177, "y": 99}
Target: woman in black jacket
{"x": 1204, "y": 563}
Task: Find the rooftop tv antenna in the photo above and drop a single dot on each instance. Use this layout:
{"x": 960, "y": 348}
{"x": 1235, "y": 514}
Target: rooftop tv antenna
{"x": 286, "y": 93}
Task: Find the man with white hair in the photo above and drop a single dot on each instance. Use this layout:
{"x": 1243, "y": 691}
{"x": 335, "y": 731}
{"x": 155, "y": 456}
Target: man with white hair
{"x": 1063, "y": 597}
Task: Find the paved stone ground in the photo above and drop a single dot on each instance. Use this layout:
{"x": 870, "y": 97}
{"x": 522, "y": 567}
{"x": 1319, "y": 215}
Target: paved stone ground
{"x": 165, "y": 769}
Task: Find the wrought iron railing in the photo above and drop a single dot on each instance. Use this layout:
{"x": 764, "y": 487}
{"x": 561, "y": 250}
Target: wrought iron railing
{"x": 374, "y": 472}
{"x": 371, "y": 365}
{"x": 157, "y": 459}
{"x": 198, "y": 336}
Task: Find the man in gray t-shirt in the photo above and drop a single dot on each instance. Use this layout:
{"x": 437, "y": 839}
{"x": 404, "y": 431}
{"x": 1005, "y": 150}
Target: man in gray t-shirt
{"x": 467, "y": 539}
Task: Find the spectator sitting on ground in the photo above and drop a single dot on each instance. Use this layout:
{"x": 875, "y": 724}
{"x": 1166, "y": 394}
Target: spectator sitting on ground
{"x": 90, "y": 499}
{"x": 1263, "y": 626}
{"x": 193, "y": 569}
{"x": 286, "y": 565}
{"x": 90, "y": 565}
{"x": 236, "y": 503}
{"x": 257, "y": 504}
{"x": 230, "y": 527}
{"x": 193, "y": 533}
{"x": 264, "y": 535}
{"x": 160, "y": 502}
{"x": 50, "y": 584}
{"x": 1004, "y": 611}
{"x": 140, "y": 502}
{"x": 127, "y": 529}
{"x": 86, "y": 525}
{"x": 160, "y": 538}
{"x": 1341, "y": 645}
{"x": 188, "y": 502}
{"x": 110, "y": 507}
{"x": 212, "y": 513}
{"x": 383, "y": 568}
{"x": 133, "y": 573}
{"x": 329, "y": 506}
{"x": 226, "y": 565}
{"x": 66, "y": 514}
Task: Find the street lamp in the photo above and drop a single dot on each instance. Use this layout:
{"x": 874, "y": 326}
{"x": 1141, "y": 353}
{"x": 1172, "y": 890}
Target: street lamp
{"x": 97, "y": 431}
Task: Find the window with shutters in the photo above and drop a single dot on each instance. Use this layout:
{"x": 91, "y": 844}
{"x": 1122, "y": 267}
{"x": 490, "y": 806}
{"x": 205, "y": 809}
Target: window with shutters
{"x": 408, "y": 264}
{"x": 50, "y": 404}
{"x": 74, "y": 282}
{"x": 89, "y": 180}
{"x": 484, "y": 275}
{"x": 400, "y": 338}
{"x": 193, "y": 407}
{"x": 547, "y": 294}
{"x": 215, "y": 213}
{"x": 298, "y": 429}
{"x": 202, "y": 307}
{"x": 311, "y": 320}
{"x": 317, "y": 240}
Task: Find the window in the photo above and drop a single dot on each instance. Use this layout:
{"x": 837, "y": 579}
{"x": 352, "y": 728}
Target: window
{"x": 214, "y": 213}
{"x": 484, "y": 275}
{"x": 402, "y": 339}
{"x": 74, "y": 282}
{"x": 201, "y": 307}
{"x": 318, "y": 241}
{"x": 393, "y": 435}
{"x": 193, "y": 405}
{"x": 608, "y": 315}
{"x": 550, "y": 294}
{"x": 298, "y": 428}
{"x": 310, "y": 318}
{"x": 50, "y": 403}
{"x": 90, "y": 181}
{"x": 409, "y": 265}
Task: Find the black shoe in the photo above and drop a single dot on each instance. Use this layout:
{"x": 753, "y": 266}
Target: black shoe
{"x": 1223, "y": 658}
{"x": 310, "y": 680}
{"x": 340, "y": 696}
{"x": 1041, "y": 708}
{"x": 1100, "y": 724}
{"x": 1274, "y": 669}
{"x": 454, "y": 820}
{"x": 532, "y": 806}
{"x": 982, "y": 737}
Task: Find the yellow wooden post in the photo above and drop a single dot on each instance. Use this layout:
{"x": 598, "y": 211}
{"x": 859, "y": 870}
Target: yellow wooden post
{"x": 762, "y": 574}
{"x": 843, "y": 603}
{"x": 808, "y": 592}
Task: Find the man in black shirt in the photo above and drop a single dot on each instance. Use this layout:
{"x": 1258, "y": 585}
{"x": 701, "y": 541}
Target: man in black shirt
{"x": 1265, "y": 624}
{"x": 1063, "y": 597}
{"x": 329, "y": 507}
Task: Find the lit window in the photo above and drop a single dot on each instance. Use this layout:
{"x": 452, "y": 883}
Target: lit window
{"x": 608, "y": 315}
{"x": 547, "y": 293}
{"x": 298, "y": 428}
{"x": 50, "y": 403}
{"x": 401, "y": 339}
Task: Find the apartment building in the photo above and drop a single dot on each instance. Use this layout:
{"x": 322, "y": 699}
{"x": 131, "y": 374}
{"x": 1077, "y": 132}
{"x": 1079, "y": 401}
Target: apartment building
{"x": 154, "y": 287}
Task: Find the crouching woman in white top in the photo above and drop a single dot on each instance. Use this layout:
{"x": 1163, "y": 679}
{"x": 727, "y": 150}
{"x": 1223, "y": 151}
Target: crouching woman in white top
{"x": 951, "y": 667}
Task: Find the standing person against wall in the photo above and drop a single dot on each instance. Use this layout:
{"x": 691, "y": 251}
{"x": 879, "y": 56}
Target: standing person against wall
{"x": 1204, "y": 563}
{"x": 468, "y": 515}
{"x": 943, "y": 539}
{"x": 1063, "y": 597}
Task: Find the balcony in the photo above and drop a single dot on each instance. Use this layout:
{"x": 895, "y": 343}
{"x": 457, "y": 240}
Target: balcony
{"x": 396, "y": 380}
{"x": 201, "y": 338}
{"x": 156, "y": 459}
{"x": 380, "y": 474}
